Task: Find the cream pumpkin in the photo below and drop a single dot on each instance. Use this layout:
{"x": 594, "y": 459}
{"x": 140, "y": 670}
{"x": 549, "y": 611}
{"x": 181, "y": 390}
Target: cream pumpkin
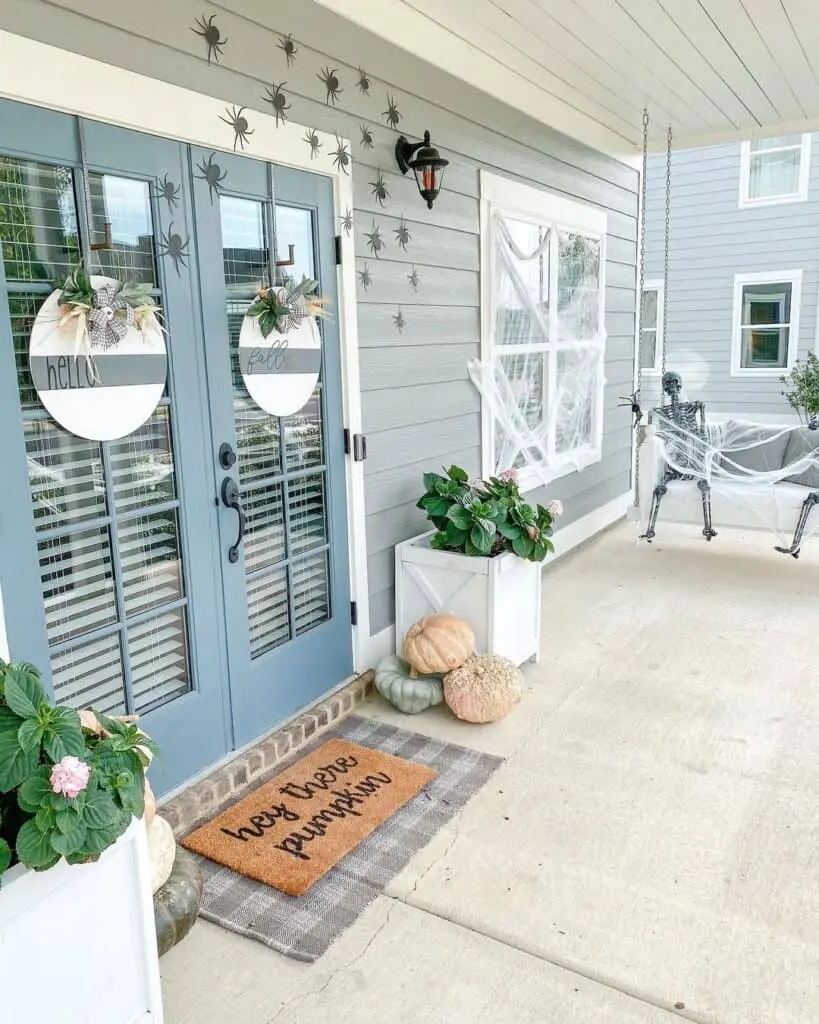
{"x": 438, "y": 644}
{"x": 484, "y": 689}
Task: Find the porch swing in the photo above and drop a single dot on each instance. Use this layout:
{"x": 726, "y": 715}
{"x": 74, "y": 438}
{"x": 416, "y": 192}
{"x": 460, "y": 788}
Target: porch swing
{"x": 735, "y": 473}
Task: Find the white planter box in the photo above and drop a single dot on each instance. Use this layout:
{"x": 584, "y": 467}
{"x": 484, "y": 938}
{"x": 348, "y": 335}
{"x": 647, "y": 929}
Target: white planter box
{"x": 78, "y": 944}
{"x": 498, "y": 597}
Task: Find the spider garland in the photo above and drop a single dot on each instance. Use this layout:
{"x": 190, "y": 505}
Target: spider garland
{"x": 311, "y": 137}
{"x": 288, "y": 48}
{"x": 212, "y": 173}
{"x": 379, "y": 189}
{"x": 278, "y": 101}
{"x": 212, "y": 35}
{"x": 403, "y": 235}
{"x": 238, "y": 122}
{"x": 329, "y": 77}
{"x": 165, "y": 189}
{"x": 375, "y": 242}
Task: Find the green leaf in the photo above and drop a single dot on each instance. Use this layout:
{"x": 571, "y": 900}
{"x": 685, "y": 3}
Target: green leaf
{"x": 458, "y": 474}
{"x": 481, "y": 541}
{"x": 30, "y": 735}
{"x": 70, "y": 842}
{"x": 436, "y": 508}
{"x": 471, "y": 550}
{"x": 46, "y": 817}
{"x": 5, "y": 856}
{"x": 100, "y": 811}
{"x": 455, "y": 538}
{"x": 67, "y": 819}
{"x": 459, "y": 517}
{"x": 439, "y": 542}
{"x": 36, "y": 790}
{"x": 24, "y": 692}
{"x": 523, "y": 546}
{"x": 16, "y": 764}
{"x": 509, "y": 531}
{"x": 430, "y": 480}
{"x": 64, "y": 735}
{"x": 34, "y": 847}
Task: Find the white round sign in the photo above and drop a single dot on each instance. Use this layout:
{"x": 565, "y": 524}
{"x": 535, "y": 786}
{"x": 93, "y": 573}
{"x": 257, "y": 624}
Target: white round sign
{"x": 280, "y": 371}
{"x": 107, "y": 396}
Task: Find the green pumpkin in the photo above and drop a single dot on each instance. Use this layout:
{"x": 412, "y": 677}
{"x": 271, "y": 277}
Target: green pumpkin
{"x": 394, "y": 683}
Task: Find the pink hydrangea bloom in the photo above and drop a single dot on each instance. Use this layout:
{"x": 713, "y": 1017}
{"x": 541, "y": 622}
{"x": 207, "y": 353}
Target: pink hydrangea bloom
{"x": 555, "y": 508}
{"x": 508, "y": 476}
{"x": 70, "y": 776}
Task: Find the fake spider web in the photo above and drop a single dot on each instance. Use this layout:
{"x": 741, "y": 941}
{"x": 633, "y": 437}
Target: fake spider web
{"x": 752, "y": 475}
{"x": 543, "y": 386}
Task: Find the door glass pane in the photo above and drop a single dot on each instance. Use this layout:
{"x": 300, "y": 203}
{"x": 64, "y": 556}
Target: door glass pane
{"x": 106, "y": 515}
{"x": 280, "y": 460}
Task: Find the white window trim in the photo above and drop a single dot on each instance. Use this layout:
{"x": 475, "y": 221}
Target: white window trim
{"x": 745, "y": 202}
{"x": 527, "y": 202}
{"x": 792, "y": 277}
{"x": 657, "y": 286}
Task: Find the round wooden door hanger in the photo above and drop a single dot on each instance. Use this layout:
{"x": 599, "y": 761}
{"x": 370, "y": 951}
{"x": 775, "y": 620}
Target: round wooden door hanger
{"x": 97, "y": 357}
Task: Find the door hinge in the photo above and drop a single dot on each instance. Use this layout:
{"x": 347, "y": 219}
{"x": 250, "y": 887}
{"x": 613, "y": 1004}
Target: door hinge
{"x": 354, "y": 613}
{"x": 355, "y": 445}
{"x": 338, "y": 249}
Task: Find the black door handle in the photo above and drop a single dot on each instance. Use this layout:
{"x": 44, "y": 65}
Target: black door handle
{"x": 230, "y": 498}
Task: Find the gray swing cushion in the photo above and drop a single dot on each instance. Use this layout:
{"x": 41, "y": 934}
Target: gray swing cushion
{"x": 803, "y": 442}
{"x": 761, "y": 456}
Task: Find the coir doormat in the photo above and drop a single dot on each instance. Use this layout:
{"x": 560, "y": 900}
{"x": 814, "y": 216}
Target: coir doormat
{"x": 303, "y": 927}
{"x": 290, "y": 831}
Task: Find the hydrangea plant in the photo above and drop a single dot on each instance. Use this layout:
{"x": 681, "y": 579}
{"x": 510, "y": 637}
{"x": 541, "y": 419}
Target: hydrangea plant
{"x": 69, "y": 786}
{"x": 484, "y": 518}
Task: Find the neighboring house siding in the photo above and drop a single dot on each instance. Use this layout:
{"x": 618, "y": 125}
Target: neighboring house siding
{"x": 420, "y": 410}
{"x": 711, "y": 240}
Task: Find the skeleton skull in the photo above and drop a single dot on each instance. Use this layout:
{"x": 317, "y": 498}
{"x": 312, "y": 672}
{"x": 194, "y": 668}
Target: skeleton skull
{"x": 672, "y": 384}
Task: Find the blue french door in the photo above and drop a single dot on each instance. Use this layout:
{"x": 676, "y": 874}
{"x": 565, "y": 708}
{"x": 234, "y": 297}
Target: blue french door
{"x": 287, "y": 597}
{"x": 116, "y": 582}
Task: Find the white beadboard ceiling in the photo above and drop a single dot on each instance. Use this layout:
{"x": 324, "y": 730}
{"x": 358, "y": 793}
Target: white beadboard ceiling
{"x": 714, "y": 70}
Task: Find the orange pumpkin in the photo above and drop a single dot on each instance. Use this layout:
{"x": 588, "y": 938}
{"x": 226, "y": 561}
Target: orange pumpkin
{"x": 437, "y": 644}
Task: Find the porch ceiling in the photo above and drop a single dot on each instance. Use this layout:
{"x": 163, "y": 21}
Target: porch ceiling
{"x": 715, "y": 70}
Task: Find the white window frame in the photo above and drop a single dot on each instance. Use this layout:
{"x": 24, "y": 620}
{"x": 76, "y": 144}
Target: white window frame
{"x": 657, "y": 286}
{"x": 794, "y": 279}
{"x": 499, "y": 194}
{"x": 746, "y": 202}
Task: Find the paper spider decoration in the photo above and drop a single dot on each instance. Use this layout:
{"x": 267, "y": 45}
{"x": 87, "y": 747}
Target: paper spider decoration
{"x": 166, "y": 190}
{"x": 212, "y": 173}
{"x": 278, "y": 101}
{"x": 363, "y": 81}
{"x": 367, "y": 140}
{"x": 329, "y": 76}
{"x": 347, "y": 221}
{"x": 341, "y": 156}
{"x": 211, "y": 34}
{"x": 374, "y": 240}
{"x": 392, "y": 113}
{"x": 313, "y": 141}
{"x": 379, "y": 189}
{"x": 403, "y": 235}
{"x": 238, "y": 122}
{"x": 288, "y": 47}
{"x": 365, "y": 278}
{"x": 171, "y": 244}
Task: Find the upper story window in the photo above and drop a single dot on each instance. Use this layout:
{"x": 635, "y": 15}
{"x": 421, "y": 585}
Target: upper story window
{"x": 775, "y": 170}
{"x": 766, "y": 322}
{"x": 541, "y": 373}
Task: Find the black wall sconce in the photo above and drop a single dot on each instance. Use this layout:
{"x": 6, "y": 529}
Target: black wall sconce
{"x": 426, "y": 163}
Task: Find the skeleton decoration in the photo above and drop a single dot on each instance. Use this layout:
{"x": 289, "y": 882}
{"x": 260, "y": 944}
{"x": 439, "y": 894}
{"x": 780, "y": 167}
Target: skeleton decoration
{"x": 341, "y": 156}
{"x": 288, "y": 48}
{"x": 379, "y": 189}
{"x": 311, "y": 137}
{"x": 363, "y": 82}
{"x": 238, "y": 122}
{"x": 173, "y": 246}
{"x": 329, "y": 78}
{"x": 105, "y": 338}
{"x": 392, "y": 114}
{"x": 347, "y": 222}
{"x": 402, "y": 233}
{"x": 375, "y": 242}
{"x": 367, "y": 140}
{"x": 683, "y": 424}
{"x": 209, "y": 31}
{"x": 399, "y": 321}
{"x": 412, "y": 277}
{"x": 212, "y": 173}
{"x": 166, "y": 190}
{"x": 365, "y": 277}
{"x": 278, "y": 101}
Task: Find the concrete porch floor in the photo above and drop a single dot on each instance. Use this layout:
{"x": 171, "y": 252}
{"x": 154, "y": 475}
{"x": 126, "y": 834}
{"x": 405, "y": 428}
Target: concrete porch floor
{"x": 648, "y": 850}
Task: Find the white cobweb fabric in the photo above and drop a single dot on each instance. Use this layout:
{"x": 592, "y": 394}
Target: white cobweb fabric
{"x": 758, "y": 475}
{"x": 543, "y": 386}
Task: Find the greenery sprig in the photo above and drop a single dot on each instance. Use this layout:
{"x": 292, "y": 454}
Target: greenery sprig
{"x": 802, "y": 389}
{"x": 281, "y": 308}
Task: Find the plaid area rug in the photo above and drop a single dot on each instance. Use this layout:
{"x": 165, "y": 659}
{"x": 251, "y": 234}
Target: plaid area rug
{"x": 303, "y": 927}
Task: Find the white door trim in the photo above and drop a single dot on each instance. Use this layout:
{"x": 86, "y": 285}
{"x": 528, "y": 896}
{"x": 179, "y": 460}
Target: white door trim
{"x": 45, "y": 76}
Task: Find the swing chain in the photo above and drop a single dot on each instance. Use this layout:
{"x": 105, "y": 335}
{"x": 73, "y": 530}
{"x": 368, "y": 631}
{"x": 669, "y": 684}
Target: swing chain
{"x": 666, "y": 243}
